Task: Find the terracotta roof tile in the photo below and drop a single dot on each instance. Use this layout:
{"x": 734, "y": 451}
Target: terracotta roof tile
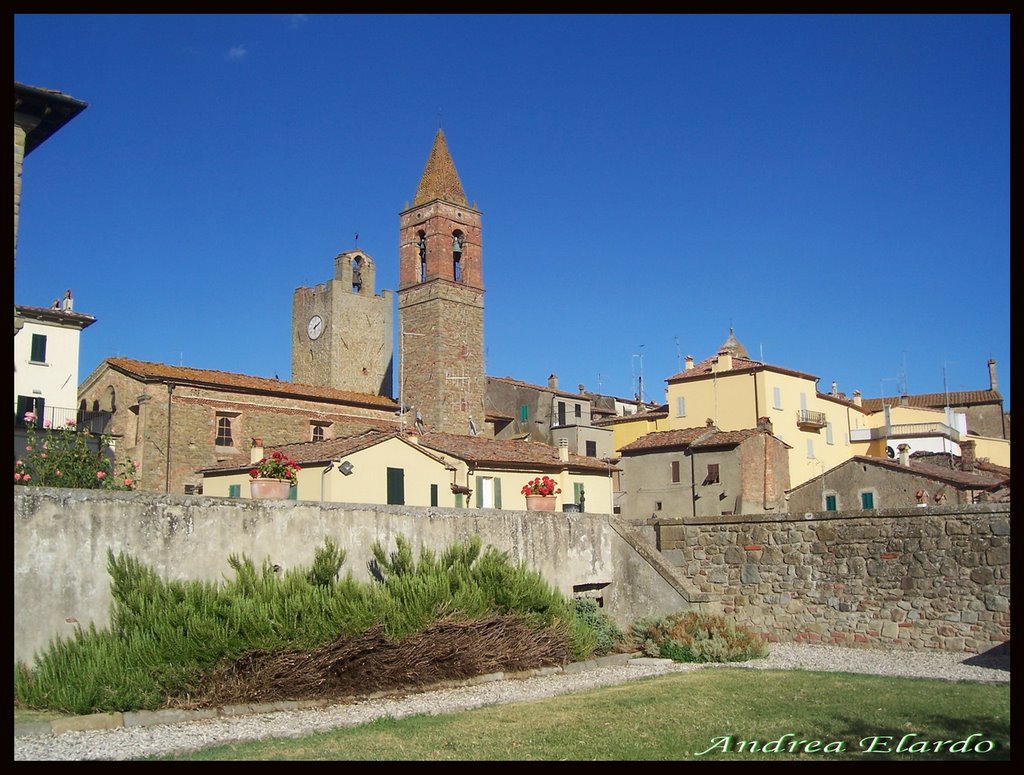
{"x": 480, "y": 450}
{"x": 936, "y": 400}
{"x": 964, "y": 480}
{"x": 159, "y": 372}
{"x": 680, "y": 437}
{"x": 739, "y": 364}
{"x": 440, "y": 179}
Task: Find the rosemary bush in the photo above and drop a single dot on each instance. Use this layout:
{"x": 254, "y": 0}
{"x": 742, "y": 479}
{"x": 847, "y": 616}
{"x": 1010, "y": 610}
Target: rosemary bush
{"x": 691, "y": 636}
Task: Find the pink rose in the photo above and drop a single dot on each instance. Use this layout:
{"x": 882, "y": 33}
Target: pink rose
{"x": 100, "y": 474}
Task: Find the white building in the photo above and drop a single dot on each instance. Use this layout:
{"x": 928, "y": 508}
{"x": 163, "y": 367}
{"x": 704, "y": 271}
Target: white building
{"x": 46, "y": 343}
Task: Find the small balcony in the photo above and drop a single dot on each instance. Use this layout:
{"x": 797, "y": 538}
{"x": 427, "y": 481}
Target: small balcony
{"x": 810, "y": 421}
{"x": 58, "y": 417}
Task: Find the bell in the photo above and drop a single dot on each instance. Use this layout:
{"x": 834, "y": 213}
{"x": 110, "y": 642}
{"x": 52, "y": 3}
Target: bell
{"x": 456, "y": 245}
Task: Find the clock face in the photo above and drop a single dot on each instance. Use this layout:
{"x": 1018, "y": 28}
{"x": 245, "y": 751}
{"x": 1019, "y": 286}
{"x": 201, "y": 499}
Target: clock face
{"x": 315, "y": 327}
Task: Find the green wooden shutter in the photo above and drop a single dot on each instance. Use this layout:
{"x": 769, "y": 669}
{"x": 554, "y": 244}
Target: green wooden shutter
{"x": 396, "y": 487}
{"x": 479, "y": 492}
{"x": 433, "y": 495}
{"x": 458, "y": 500}
{"x": 497, "y": 493}
{"x": 39, "y": 350}
{"x": 293, "y": 492}
{"x": 577, "y": 490}
{"x": 234, "y": 491}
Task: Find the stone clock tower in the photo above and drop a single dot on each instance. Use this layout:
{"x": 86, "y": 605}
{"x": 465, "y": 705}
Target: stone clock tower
{"x": 441, "y": 303}
{"x": 342, "y": 332}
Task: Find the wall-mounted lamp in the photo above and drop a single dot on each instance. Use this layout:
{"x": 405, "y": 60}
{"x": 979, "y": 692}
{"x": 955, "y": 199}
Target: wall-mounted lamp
{"x": 346, "y": 468}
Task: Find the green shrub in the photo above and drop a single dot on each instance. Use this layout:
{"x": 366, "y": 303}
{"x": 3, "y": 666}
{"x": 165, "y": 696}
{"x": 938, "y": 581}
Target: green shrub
{"x": 166, "y": 635}
{"x": 607, "y": 635}
{"x": 691, "y": 636}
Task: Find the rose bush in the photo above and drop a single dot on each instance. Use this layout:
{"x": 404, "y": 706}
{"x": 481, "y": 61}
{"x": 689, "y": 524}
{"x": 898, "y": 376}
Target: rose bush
{"x": 65, "y": 458}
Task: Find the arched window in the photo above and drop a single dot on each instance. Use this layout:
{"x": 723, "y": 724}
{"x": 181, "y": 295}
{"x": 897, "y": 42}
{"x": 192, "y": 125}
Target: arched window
{"x": 458, "y": 240}
{"x": 109, "y": 397}
{"x": 357, "y": 274}
{"x": 422, "y": 250}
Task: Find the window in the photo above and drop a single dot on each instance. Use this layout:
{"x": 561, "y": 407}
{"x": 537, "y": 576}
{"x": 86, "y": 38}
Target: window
{"x": 828, "y": 433}
{"x": 224, "y": 432}
{"x": 318, "y": 433}
{"x": 396, "y": 487}
{"x": 488, "y": 492}
{"x": 524, "y": 413}
{"x": 810, "y": 449}
{"x": 561, "y": 412}
{"x": 433, "y": 495}
{"x": 38, "y": 348}
{"x": 32, "y": 404}
{"x": 675, "y": 471}
{"x": 657, "y": 505}
{"x": 777, "y": 398}
{"x": 867, "y": 500}
{"x": 578, "y": 410}
{"x": 712, "y": 477}
{"x": 591, "y": 449}
{"x": 234, "y": 491}
{"x": 830, "y": 503}
{"x": 681, "y": 407}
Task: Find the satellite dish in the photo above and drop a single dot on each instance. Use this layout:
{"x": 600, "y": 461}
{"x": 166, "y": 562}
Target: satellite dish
{"x": 889, "y": 452}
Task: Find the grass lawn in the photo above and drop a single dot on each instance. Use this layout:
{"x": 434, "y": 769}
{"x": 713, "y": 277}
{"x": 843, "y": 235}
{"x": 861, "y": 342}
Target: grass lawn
{"x": 705, "y": 715}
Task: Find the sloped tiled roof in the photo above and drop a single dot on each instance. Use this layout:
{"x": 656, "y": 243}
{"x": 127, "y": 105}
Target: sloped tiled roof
{"x": 440, "y": 179}
{"x": 162, "y": 372}
{"x": 656, "y": 414}
{"x": 936, "y": 400}
{"x": 541, "y": 388}
{"x": 77, "y": 319}
{"x": 480, "y": 450}
{"x": 680, "y": 437}
{"x": 962, "y": 480}
{"x": 739, "y": 364}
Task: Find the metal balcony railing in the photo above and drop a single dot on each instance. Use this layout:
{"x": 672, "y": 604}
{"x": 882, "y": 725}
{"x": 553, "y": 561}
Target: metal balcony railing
{"x": 808, "y": 419}
{"x": 58, "y": 417}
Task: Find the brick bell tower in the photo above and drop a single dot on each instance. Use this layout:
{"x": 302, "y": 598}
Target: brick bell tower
{"x": 441, "y": 303}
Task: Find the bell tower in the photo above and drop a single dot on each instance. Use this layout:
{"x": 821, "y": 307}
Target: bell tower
{"x": 441, "y": 302}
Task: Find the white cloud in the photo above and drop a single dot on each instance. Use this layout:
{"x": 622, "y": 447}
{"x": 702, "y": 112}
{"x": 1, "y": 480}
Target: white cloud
{"x": 237, "y": 52}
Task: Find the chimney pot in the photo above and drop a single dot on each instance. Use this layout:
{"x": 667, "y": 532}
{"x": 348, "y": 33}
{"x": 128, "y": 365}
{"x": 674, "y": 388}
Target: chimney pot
{"x": 256, "y": 452}
{"x": 992, "y": 374}
{"x": 553, "y": 381}
{"x": 967, "y": 458}
{"x": 563, "y": 450}
{"x": 904, "y": 450}
{"x": 689, "y": 362}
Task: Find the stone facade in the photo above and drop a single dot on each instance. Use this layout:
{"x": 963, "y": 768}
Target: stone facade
{"x": 441, "y": 303}
{"x": 168, "y": 419}
{"x": 343, "y": 332}
{"x": 902, "y": 579}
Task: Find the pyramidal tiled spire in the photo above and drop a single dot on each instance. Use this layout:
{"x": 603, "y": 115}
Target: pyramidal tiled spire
{"x": 440, "y": 180}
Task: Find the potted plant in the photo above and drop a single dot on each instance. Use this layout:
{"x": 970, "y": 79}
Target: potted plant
{"x": 541, "y": 493}
{"x": 273, "y": 476}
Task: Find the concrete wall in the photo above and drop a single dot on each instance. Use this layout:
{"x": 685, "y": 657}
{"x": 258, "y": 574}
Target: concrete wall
{"x": 902, "y": 580}
{"x": 61, "y": 538}
{"x": 915, "y": 578}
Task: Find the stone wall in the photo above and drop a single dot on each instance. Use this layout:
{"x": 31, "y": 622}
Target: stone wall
{"x": 62, "y": 536}
{"x": 934, "y": 580}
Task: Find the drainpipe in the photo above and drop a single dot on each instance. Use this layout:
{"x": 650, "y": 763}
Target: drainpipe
{"x": 167, "y": 467}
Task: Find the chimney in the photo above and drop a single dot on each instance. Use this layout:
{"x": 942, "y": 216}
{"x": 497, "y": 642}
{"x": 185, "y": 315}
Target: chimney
{"x": 724, "y": 362}
{"x": 856, "y": 398}
{"x": 904, "y": 450}
{"x": 553, "y": 381}
{"x": 903, "y": 400}
{"x": 256, "y": 452}
{"x": 967, "y": 456}
{"x": 764, "y": 424}
{"x": 835, "y": 388}
{"x": 992, "y": 374}
{"x": 709, "y": 423}
{"x": 583, "y": 390}
{"x": 563, "y": 450}
{"x": 689, "y": 362}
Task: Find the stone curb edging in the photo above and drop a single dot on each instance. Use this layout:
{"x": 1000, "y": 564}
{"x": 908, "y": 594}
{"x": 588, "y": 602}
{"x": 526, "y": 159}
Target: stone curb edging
{"x": 144, "y": 718}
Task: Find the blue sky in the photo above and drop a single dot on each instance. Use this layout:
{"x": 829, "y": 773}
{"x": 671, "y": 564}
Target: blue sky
{"x": 835, "y": 188}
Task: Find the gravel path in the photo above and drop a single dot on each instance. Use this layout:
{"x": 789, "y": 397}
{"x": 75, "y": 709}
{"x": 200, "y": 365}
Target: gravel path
{"x": 134, "y": 742}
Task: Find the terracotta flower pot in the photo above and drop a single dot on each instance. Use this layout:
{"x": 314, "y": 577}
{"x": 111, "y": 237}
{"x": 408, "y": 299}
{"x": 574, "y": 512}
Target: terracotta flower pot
{"x": 540, "y": 502}
{"x": 269, "y": 489}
